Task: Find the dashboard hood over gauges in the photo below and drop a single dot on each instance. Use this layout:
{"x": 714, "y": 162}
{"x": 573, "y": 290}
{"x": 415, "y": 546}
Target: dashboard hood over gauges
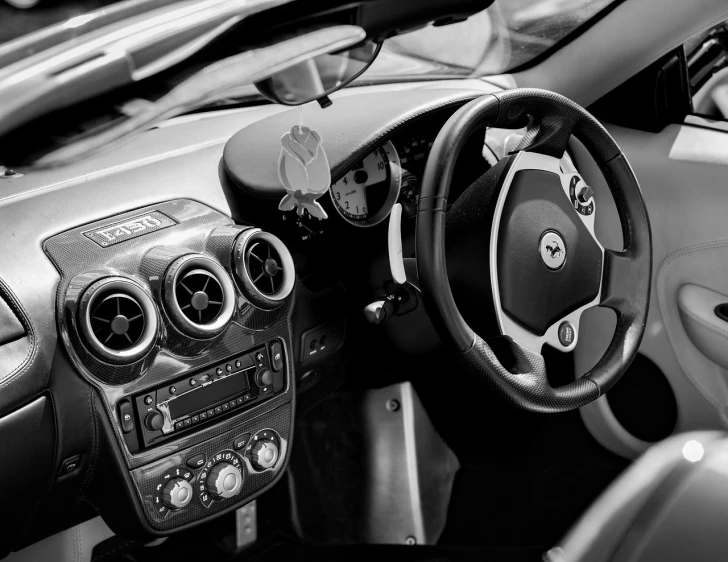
{"x": 250, "y": 158}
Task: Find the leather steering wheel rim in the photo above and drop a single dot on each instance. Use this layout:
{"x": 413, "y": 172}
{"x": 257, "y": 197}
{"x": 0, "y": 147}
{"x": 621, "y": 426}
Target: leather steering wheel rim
{"x": 625, "y": 276}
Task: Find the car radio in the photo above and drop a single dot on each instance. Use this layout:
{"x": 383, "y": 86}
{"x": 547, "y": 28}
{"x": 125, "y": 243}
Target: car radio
{"x": 215, "y": 392}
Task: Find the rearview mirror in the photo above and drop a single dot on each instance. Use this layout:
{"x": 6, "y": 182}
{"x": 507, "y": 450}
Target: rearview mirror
{"x": 318, "y": 77}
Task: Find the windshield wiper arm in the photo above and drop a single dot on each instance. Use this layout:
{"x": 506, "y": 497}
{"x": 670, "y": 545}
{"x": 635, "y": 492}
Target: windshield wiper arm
{"x": 114, "y": 56}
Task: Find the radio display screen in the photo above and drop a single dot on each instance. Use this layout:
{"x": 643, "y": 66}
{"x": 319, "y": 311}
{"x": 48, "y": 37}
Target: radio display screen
{"x": 208, "y": 395}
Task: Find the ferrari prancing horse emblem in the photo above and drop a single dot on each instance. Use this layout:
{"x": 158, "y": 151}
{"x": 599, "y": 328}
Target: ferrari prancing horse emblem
{"x": 553, "y": 250}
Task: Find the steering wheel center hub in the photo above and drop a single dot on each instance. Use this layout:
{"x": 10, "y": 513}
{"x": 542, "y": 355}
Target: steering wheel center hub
{"x": 553, "y": 250}
{"x": 548, "y": 263}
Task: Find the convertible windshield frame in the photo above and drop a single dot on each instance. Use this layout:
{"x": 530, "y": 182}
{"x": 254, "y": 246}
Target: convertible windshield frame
{"x": 568, "y": 38}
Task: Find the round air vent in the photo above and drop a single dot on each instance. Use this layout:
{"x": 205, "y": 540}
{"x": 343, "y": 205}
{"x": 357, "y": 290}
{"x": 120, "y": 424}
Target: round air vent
{"x": 118, "y": 320}
{"x": 264, "y": 267}
{"x": 199, "y": 296}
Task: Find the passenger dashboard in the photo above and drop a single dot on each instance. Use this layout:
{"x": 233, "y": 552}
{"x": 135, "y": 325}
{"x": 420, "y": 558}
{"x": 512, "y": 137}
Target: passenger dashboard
{"x": 164, "y": 317}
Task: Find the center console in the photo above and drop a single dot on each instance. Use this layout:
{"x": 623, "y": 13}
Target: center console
{"x": 180, "y": 320}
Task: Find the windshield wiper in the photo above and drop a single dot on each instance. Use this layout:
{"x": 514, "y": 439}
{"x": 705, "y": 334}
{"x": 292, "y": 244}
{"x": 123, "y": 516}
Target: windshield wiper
{"x": 114, "y": 55}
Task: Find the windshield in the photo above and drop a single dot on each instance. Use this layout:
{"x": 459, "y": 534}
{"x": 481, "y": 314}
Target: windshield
{"x": 506, "y": 35}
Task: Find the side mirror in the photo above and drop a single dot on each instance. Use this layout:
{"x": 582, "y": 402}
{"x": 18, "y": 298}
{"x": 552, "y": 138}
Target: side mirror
{"x": 320, "y": 76}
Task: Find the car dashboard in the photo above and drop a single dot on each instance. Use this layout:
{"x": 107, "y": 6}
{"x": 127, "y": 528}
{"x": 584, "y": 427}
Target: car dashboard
{"x": 167, "y": 313}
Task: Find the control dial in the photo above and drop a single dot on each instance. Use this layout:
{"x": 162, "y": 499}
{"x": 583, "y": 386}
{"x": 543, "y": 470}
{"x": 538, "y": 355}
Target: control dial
{"x": 264, "y": 454}
{"x": 582, "y": 196}
{"x": 264, "y": 377}
{"x": 177, "y": 493}
{"x": 154, "y": 421}
{"x": 224, "y": 480}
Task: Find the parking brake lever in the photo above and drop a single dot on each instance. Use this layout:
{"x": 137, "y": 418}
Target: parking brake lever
{"x": 404, "y": 270}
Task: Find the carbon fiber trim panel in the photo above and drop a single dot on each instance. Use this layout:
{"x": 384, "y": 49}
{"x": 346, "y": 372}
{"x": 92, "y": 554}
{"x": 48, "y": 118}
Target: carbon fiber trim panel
{"x": 144, "y": 259}
{"x": 147, "y": 479}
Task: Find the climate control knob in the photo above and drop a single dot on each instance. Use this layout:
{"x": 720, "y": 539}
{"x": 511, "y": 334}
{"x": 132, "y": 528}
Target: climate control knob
{"x": 224, "y": 480}
{"x": 264, "y": 455}
{"x": 177, "y": 493}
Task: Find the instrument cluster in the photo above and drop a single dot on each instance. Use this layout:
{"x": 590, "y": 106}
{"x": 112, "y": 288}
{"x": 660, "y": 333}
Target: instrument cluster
{"x": 389, "y": 174}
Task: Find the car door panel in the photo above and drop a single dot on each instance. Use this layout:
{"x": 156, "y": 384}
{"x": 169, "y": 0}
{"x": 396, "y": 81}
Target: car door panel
{"x": 687, "y": 202}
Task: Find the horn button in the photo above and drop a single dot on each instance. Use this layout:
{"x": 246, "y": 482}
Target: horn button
{"x": 548, "y": 262}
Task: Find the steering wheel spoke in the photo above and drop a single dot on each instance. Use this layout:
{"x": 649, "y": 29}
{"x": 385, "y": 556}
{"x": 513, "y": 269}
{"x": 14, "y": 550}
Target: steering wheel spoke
{"x": 621, "y": 270}
{"x": 520, "y": 376}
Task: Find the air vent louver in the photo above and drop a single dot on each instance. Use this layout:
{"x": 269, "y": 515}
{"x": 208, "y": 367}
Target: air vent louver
{"x": 199, "y": 296}
{"x": 264, "y": 267}
{"x": 118, "y": 320}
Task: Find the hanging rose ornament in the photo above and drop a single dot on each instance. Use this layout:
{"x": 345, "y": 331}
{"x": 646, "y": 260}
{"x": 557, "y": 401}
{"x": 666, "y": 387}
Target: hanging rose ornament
{"x": 303, "y": 169}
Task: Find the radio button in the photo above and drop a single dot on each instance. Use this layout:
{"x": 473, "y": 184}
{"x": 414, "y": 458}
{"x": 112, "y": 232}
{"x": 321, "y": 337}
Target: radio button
{"x": 203, "y": 416}
{"x": 195, "y": 419}
{"x": 179, "y": 425}
{"x": 198, "y": 461}
{"x": 187, "y": 422}
{"x": 225, "y": 407}
{"x": 218, "y": 409}
{"x": 245, "y": 362}
{"x": 210, "y": 413}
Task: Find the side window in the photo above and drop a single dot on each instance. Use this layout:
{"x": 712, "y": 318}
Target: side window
{"x": 707, "y": 59}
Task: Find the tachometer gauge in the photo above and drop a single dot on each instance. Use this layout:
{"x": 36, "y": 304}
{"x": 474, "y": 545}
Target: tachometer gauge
{"x": 366, "y": 194}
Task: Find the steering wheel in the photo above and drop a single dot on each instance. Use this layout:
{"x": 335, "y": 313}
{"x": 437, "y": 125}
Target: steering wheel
{"x": 545, "y": 265}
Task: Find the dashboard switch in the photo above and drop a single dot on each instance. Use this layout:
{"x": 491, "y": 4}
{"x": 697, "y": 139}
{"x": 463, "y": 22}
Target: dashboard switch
{"x": 327, "y": 337}
{"x": 70, "y": 465}
{"x": 126, "y": 416}
{"x": 585, "y": 193}
{"x": 276, "y": 353}
{"x": 241, "y": 441}
{"x": 198, "y": 461}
